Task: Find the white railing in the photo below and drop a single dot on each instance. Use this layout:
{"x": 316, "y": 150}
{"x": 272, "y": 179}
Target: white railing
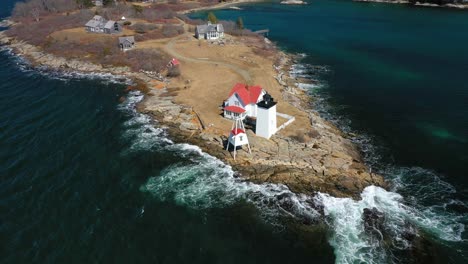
{"x": 288, "y": 117}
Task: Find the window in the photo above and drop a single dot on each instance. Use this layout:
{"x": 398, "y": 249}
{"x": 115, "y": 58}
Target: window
{"x": 241, "y": 138}
{"x": 235, "y": 114}
{"x": 237, "y": 103}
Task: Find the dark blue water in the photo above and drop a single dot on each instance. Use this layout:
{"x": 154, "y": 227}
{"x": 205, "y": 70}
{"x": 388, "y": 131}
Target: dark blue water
{"x": 85, "y": 178}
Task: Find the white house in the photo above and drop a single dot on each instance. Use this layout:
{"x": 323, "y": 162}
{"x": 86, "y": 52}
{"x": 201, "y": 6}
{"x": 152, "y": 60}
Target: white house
{"x": 209, "y": 31}
{"x": 242, "y": 101}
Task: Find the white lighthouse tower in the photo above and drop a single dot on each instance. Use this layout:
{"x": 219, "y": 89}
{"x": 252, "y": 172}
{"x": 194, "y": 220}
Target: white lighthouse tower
{"x": 238, "y": 137}
{"x": 266, "y": 117}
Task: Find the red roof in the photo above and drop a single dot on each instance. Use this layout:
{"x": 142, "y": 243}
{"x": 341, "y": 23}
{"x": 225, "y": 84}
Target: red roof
{"x": 237, "y": 131}
{"x": 234, "y": 109}
{"x": 175, "y": 62}
{"x": 248, "y": 95}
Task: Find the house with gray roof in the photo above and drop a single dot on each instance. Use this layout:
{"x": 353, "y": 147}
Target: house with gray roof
{"x": 126, "y": 43}
{"x": 98, "y": 24}
{"x": 209, "y": 31}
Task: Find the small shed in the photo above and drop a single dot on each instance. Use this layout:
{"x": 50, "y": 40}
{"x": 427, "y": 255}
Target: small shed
{"x": 174, "y": 63}
{"x": 126, "y": 43}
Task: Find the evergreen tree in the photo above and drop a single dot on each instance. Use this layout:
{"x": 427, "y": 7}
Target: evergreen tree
{"x": 240, "y": 23}
{"x": 212, "y": 18}
{"x": 84, "y": 3}
{"x": 107, "y": 2}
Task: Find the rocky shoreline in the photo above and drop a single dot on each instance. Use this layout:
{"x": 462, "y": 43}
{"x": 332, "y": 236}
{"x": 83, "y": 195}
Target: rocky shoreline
{"x": 322, "y": 160}
{"x": 406, "y": 2}
{"x": 293, "y": 2}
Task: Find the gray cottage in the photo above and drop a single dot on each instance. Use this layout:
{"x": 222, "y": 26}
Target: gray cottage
{"x": 100, "y": 25}
{"x": 126, "y": 43}
{"x": 209, "y": 31}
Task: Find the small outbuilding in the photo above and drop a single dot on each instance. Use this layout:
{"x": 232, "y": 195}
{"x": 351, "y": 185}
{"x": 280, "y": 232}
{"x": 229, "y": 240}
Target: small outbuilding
{"x": 209, "y": 31}
{"x": 126, "y": 43}
{"x": 173, "y": 63}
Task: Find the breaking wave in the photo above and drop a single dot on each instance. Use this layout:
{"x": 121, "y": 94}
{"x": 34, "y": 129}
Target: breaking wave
{"x": 61, "y": 74}
{"x": 352, "y": 241}
{"x": 140, "y": 128}
{"x": 418, "y": 198}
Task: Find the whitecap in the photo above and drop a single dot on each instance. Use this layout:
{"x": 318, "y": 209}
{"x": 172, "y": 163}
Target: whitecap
{"x": 140, "y": 129}
{"x": 349, "y": 238}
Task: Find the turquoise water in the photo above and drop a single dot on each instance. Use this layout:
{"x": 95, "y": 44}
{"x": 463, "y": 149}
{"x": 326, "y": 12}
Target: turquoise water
{"x": 86, "y": 178}
{"x": 395, "y": 76}
{"x": 395, "y": 72}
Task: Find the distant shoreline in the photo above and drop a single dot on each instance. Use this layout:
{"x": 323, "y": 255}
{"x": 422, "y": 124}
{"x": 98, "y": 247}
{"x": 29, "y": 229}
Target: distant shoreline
{"x": 419, "y": 4}
{"x": 220, "y": 6}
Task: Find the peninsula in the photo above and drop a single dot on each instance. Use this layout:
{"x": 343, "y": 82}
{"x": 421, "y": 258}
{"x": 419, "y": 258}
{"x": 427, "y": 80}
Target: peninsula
{"x": 186, "y": 80}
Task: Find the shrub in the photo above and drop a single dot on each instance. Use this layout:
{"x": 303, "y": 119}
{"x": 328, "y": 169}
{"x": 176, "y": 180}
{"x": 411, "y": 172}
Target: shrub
{"x": 143, "y": 28}
{"x": 172, "y": 30}
{"x": 173, "y": 72}
{"x": 106, "y": 51}
{"x": 147, "y": 59}
{"x": 36, "y": 33}
{"x": 31, "y": 8}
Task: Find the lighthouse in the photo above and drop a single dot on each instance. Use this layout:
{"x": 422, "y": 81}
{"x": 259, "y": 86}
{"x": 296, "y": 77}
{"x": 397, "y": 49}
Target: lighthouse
{"x": 266, "y": 117}
{"x": 238, "y": 137}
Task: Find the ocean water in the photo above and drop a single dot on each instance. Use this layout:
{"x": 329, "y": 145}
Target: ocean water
{"x": 394, "y": 76}
{"x": 85, "y": 178}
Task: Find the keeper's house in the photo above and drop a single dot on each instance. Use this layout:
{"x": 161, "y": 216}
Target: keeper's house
{"x": 242, "y": 101}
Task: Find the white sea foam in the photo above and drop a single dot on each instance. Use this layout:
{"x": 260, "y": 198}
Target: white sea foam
{"x": 140, "y": 129}
{"x": 206, "y": 182}
{"x": 62, "y": 74}
{"x": 353, "y": 245}
{"x": 308, "y": 86}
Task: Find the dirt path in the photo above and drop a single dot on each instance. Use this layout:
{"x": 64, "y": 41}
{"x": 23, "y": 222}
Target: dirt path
{"x": 170, "y": 49}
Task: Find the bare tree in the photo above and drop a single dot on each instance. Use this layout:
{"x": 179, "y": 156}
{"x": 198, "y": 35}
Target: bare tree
{"x": 35, "y": 12}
